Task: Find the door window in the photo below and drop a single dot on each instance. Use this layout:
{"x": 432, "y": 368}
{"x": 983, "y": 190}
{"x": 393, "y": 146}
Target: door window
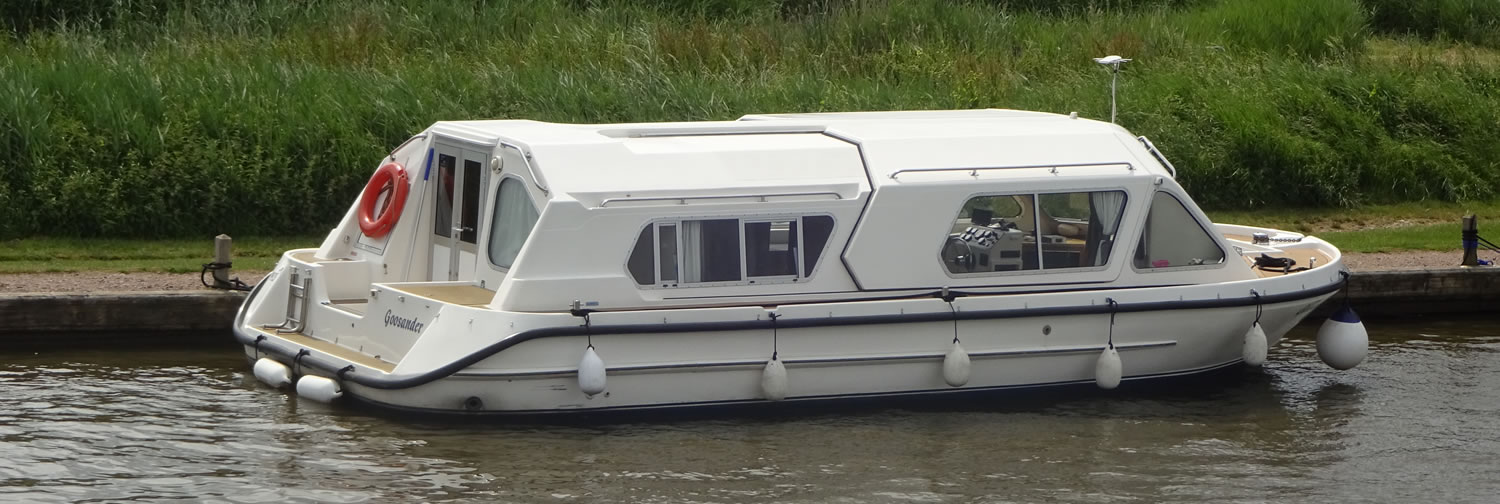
{"x": 469, "y": 213}
{"x": 442, "y": 223}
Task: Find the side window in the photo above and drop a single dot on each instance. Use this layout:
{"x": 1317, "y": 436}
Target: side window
{"x": 771, "y": 248}
{"x": 815, "y": 230}
{"x": 514, "y": 217}
{"x": 1172, "y": 237}
{"x": 1026, "y": 232}
{"x": 673, "y": 253}
{"x": 640, "y": 259}
{"x": 710, "y": 251}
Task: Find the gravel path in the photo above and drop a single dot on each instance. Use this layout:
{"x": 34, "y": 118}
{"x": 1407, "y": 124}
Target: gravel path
{"x": 104, "y": 281}
{"x": 99, "y": 281}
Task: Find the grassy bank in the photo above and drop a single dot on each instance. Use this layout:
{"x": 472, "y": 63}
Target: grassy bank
{"x": 181, "y": 255}
{"x": 165, "y": 118}
{"x": 1376, "y": 228}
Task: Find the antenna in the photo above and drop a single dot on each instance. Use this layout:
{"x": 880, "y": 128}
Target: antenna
{"x": 1112, "y": 61}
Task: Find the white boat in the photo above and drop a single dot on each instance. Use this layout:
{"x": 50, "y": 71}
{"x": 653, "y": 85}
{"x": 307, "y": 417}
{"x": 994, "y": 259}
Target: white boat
{"x": 516, "y": 266}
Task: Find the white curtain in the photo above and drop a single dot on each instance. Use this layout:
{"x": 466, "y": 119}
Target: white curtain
{"x": 691, "y": 254}
{"x": 1107, "y": 205}
{"x": 512, "y": 222}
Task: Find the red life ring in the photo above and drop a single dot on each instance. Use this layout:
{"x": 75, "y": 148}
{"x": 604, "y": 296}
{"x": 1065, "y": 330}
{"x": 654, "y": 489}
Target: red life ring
{"x": 390, "y": 177}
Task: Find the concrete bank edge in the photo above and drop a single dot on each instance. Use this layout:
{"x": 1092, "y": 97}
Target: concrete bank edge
{"x": 34, "y": 316}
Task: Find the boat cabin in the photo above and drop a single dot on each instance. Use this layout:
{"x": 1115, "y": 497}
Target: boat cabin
{"x": 530, "y": 216}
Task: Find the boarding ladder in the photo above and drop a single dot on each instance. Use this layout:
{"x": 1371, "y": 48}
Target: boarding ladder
{"x": 296, "y": 304}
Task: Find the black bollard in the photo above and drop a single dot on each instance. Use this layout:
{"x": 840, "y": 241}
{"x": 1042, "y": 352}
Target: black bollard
{"x": 1470, "y": 241}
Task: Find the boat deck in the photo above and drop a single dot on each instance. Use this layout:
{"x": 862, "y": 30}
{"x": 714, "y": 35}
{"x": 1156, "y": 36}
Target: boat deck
{"x": 1304, "y": 257}
{"x": 466, "y": 295}
{"x": 333, "y": 349}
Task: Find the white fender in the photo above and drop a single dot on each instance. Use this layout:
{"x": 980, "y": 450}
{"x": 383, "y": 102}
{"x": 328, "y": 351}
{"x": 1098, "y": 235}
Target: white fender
{"x": 956, "y": 366}
{"x": 591, "y": 373}
{"x": 773, "y": 380}
{"x": 1255, "y": 349}
{"x": 1108, "y": 370}
{"x": 318, "y": 388}
{"x": 272, "y": 373}
{"x": 1342, "y": 340}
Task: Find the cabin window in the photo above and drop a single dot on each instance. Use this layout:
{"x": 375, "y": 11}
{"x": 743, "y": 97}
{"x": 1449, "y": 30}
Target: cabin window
{"x": 771, "y": 248}
{"x": 513, "y": 219}
{"x": 1028, "y": 232}
{"x": 718, "y": 251}
{"x": 667, "y": 251}
{"x": 640, "y": 259}
{"x": 710, "y": 251}
{"x": 815, "y": 230}
{"x": 1173, "y": 238}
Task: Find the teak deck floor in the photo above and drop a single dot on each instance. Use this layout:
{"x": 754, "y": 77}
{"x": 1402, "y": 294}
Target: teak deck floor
{"x": 467, "y": 295}
{"x": 334, "y": 350}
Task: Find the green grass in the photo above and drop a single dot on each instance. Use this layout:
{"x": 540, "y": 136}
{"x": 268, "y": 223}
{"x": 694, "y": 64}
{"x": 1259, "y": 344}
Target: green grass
{"x": 1323, "y": 221}
{"x": 33, "y": 255}
{"x": 168, "y": 118}
{"x": 1395, "y": 239}
{"x": 1384, "y": 228}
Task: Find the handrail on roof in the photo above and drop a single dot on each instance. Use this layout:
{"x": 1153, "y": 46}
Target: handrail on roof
{"x": 1151, "y": 147}
{"x": 746, "y": 128}
{"x": 418, "y": 136}
{"x": 526, "y": 159}
{"x": 683, "y": 199}
{"x": 975, "y": 169}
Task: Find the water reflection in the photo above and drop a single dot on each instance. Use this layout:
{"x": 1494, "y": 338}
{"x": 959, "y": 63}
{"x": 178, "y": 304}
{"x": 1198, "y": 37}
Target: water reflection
{"x": 1414, "y": 422}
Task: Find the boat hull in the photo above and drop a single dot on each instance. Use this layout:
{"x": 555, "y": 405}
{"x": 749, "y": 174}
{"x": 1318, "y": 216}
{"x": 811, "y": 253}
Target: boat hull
{"x": 714, "y": 364}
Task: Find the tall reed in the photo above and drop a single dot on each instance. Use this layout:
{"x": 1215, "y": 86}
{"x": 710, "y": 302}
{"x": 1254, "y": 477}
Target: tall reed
{"x": 174, "y": 117}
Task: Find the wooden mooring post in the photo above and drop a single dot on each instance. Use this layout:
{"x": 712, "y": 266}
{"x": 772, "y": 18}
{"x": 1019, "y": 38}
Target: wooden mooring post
{"x": 222, "y": 258}
{"x": 1470, "y": 241}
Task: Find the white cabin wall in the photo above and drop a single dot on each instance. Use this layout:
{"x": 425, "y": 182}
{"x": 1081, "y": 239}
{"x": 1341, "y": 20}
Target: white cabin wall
{"x": 387, "y": 256}
{"x": 512, "y": 164}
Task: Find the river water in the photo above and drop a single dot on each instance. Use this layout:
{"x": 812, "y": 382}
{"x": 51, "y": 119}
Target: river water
{"x": 1416, "y": 422}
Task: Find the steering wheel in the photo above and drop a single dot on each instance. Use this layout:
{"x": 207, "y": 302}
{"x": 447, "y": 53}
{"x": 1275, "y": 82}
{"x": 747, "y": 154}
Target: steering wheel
{"x": 958, "y": 255}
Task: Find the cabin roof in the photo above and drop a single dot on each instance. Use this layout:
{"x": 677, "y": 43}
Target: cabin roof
{"x": 811, "y": 150}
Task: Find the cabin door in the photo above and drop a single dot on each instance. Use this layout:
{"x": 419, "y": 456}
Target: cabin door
{"x": 460, "y": 182}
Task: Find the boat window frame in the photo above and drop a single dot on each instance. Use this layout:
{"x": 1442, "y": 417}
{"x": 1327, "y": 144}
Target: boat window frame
{"x": 1036, "y": 217}
{"x": 1197, "y": 219}
{"x": 489, "y": 221}
{"x": 655, "y": 225}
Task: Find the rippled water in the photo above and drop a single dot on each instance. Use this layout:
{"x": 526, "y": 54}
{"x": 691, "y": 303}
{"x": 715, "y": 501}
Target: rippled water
{"x": 1417, "y": 422}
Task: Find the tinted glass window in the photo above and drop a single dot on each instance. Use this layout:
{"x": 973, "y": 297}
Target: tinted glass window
{"x": 442, "y": 223}
{"x": 512, "y": 222}
{"x": 771, "y": 248}
{"x": 640, "y": 259}
{"x": 992, "y": 233}
{"x": 728, "y": 250}
{"x": 815, "y": 231}
{"x": 710, "y": 250}
{"x": 1021, "y": 232}
{"x": 1078, "y": 229}
{"x": 667, "y": 238}
{"x": 470, "y": 218}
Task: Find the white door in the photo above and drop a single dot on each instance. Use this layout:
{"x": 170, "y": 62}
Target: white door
{"x": 461, "y": 179}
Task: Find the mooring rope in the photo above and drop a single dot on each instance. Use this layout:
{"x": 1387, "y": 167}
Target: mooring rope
{"x": 234, "y": 283}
